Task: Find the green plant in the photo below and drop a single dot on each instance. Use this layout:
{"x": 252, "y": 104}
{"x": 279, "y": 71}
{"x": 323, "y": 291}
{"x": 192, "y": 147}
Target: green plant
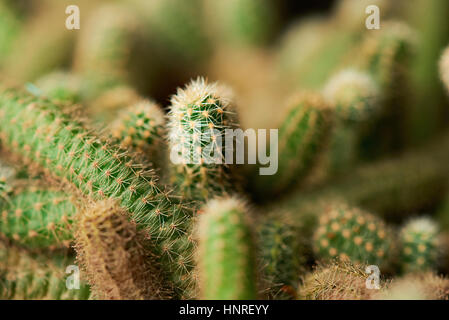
{"x": 351, "y": 234}
{"x": 419, "y": 245}
{"x": 226, "y": 261}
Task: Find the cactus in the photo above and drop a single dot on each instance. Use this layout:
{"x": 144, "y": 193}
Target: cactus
{"x": 417, "y": 286}
{"x": 71, "y": 152}
{"x": 116, "y": 262}
{"x": 444, "y": 68}
{"x": 10, "y": 27}
{"x": 281, "y": 253}
{"x": 301, "y": 137}
{"x": 337, "y": 281}
{"x": 38, "y": 218}
{"x": 420, "y": 245}
{"x": 241, "y": 22}
{"x": 26, "y": 276}
{"x": 225, "y": 252}
{"x": 198, "y": 118}
{"x": 352, "y": 234}
{"x": 61, "y": 87}
{"x": 142, "y": 127}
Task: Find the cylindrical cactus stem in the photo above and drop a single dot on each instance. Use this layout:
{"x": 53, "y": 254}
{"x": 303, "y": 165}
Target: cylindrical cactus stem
{"x": 354, "y": 95}
{"x": 199, "y": 116}
{"x": 226, "y": 261}
{"x": 444, "y": 68}
{"x": 350, "y": 234}
{"x": 26, "y": 276}
{"x": 38, "y": 217}
{"x": 337, "y": 281}
{"x": 141, "y": 127}
{"x": 301, "y": 137}
{"x": 241, "y": 22}
{"x": 280, "y": 255}
{"x": 116, "y": 261}
{"x": 41, "y": 132}
{"x": 417, "y": 286}
{"x": 419, "y": 245}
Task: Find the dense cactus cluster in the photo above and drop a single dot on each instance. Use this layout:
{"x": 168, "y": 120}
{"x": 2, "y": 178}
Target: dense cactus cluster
{"x": 137, "y": 151}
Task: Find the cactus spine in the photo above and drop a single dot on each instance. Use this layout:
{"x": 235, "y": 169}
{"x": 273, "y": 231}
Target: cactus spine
{"x": 68, "y": 150}
{"x": 349, "y": 234}
{"x": 38, "y": 218}
{"x": 225, "y": 252}
{"x": 419, "y": 239}
{"x": 338, "y": 281}
{"x": 24, "y": 276}
{"x": 198, "y": 119}
{"x": 142, "y": 127}
{"x": 116, "y": 262}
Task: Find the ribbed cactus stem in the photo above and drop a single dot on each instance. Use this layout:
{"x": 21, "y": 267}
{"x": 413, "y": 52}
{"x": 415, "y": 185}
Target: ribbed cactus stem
{"x": 301, "y": 136}
{"x": 114, "y": 257}
{"x": 24, "y": 276}
{"x": 444, "y": 68}
{"x": 225, "y": 254}
{"x": 419, "y": 245}
{"x": 350, "y": 234}
{"x": 38, "y": 218}
{"x": 198, "y": 118}
{"x": 337, "y": 281}
{"x": 40, "y": 132}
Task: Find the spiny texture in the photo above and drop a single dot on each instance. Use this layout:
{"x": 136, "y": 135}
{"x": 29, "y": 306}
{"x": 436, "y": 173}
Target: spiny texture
{"x": 301, "y": 136}
{"x": 198, "y": 118}
{"x": 39, "y": 131}
{"x": 116, "y": 262}
{"x": 444, "y": 68}
{"x": 38, "y": 218}
{"x": 280, "y": 257}
{"x": 417, "y": 286}
{"x": 24, "y": 276}
{"x": 142, "y": 127}
{"x": 351, "y": 234}
{"x": 7, "y": 175}
{"x": 241, "y": 22}
{"x": 354, "y": 95}
{"x": 226, "y": 260}
{"x": 338, "y": 281}
{"x": 419, "y": 241}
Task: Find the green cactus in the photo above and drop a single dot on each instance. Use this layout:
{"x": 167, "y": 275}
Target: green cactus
{"x": 350, "y": 234}
{"x": 281, "y": 257}
{"x": 199, "y": 116}
{"x": 142, "y": 127}
{"x": 117, "y": 264}
{"x": 241, "y": 22}
{"x": 337, "y": 281}
{"x": 38, "y": 218}
{"x": 301, "y": 138}
{"x": 226, "y": 262}
{"x": 419, "y": 245}
{"x": 70, "y": 151}
{"x": 25, "y": 276}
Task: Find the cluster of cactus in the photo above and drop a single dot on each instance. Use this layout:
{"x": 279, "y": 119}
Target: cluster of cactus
{"x": 150, "y": 199}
